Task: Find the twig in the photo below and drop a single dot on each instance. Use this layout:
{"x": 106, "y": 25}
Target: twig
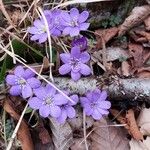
{"x": 2, "y": 8}
{"x": 84, "y": 130}
{"x": 49, "y": 40}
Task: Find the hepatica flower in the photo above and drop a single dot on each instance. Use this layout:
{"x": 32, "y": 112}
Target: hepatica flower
{"x": 22, "y": 82}
{"x": 67, "y": 109}
{"x": 47, "y": 101}
{"x": 80, "y": 42}
{"x": 95, "y": 104}
{"x": 75, "y": 62}
{"x": 74, "y": 22}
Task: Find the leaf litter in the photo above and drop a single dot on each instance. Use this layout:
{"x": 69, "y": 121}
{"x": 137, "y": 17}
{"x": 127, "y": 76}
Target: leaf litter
{"x": 129, "y": 62}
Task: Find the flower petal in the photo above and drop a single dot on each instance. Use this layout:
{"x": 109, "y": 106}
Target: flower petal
{"x": 34, "y": 82}
{"x": 104, "y": 104}
{"x": 85, "y": 57}
{"x": 85, "y": 69}
{"x": 38, "y": 23}
{"x": 44, "y": 111}
{"x": 65, "y": 57}
{"x": 55, "y": 111}
{"x": 88, "y": 110}
{"x": 28, "y": 73}
{"x": 83, "y": 101}
{"x": 96, "y": 114}
{"x": 74, "y": 31}
{"x": 50, "y": 90}
{"x": 103, "y": 96}
{"x": 83, "y": 16}
{"x": 66, "y": 17}
{"x": 70, "y": 112}
{"x": 32, "y": 30}
{"x": 40, "y": 92}
{"x": 26, "y": 91}
{"x": 74, "y": 13}
{"x": 15, "y": 90}
{"x": 35, "y": 37}
{"x": 75, "y": 98}
{"x": 75, "y": 52}
{"x": 19, "y": 71}
{"x": 43, "y": 38}
{"x": 103, "y": 111}
{"x": 67, "y": 31}
{"x": 62, "y": 118}
{"x": 84, "y": 26}
{"x": 96, "y": 94}
{"x": 35, "y": 103}
{"x": 59, "y": 99}
{"x": 64, "y": 69}
{"x": 75, "y": 76}
{"x": 11, "y": 79}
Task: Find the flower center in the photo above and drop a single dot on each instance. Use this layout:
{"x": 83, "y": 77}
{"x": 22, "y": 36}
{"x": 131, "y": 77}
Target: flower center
{"x": 74, "y": 63}
{"x": 21, "y": 81}
{"x": 48, "y": 101}
{"x": 93, "y": 105}
{"x": 74, "y": 23}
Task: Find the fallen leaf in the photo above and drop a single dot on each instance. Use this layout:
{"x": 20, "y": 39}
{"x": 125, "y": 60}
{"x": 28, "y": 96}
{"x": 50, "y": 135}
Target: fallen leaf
{"x": 136, "y": 51}
{"x": 77, "y": 122}
{"x": 133, "y": 127}
{"x": 108, "y": 138}
{"x": 137, "y": 15}
{"x": 144, "y": 123}
{"x": 23, "y": 133}
{"x": 143, "y": 72}
{"x": 78, "y": 146}
{"x": 147, "y": 23}
{"x": 125, "y": 68}
{"x": 62, "y": 135}
{"x": 106, "y": 34}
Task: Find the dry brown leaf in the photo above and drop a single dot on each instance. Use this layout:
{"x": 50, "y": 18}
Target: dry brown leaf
{"x": 62, "y": 135}
{"x": 78, "y": 146}
{"x": 77, "y": 122}
{"x": 134, "y": 130}
{"x": 108, "y": 138}
{"x": 147, "y": 23}
{"x": 23, "y": 133}
{"x": 125, "y": 68}
{"x": 144, "y": 123}
{"x": 143, "y": 72}
{"x": 136, "y": 51}
{"x": 137, "y": 15}
{"x": 105, "y": 34}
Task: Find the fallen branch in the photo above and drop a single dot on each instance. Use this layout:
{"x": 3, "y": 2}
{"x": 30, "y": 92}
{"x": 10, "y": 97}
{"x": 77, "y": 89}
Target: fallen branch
{"x": 23, "y": 131}
{"x": 118, "y": 89}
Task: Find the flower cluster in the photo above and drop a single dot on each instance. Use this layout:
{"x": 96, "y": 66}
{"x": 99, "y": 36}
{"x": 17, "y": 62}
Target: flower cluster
{"x": 51, "y": 103}
{"x": 46, "y": 99}
{"x": 59, "y": 22}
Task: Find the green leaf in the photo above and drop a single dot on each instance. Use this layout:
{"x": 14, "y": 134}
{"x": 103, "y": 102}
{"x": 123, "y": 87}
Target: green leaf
{"x": 28, "y": 110}
{"x": 3, "y": 71}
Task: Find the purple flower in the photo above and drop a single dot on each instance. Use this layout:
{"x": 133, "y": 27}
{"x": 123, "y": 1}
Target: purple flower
{"x": 67, "y": 109}
{"x": 75, "y": 63}
{"x": 80, "y": 42}
{"x": 39, "y": 29}
{"x": 74, "y": 22}
{"x": 22, "y": 82}
{"x": 95, "y": 104}
{"x": 47, "y": 101}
